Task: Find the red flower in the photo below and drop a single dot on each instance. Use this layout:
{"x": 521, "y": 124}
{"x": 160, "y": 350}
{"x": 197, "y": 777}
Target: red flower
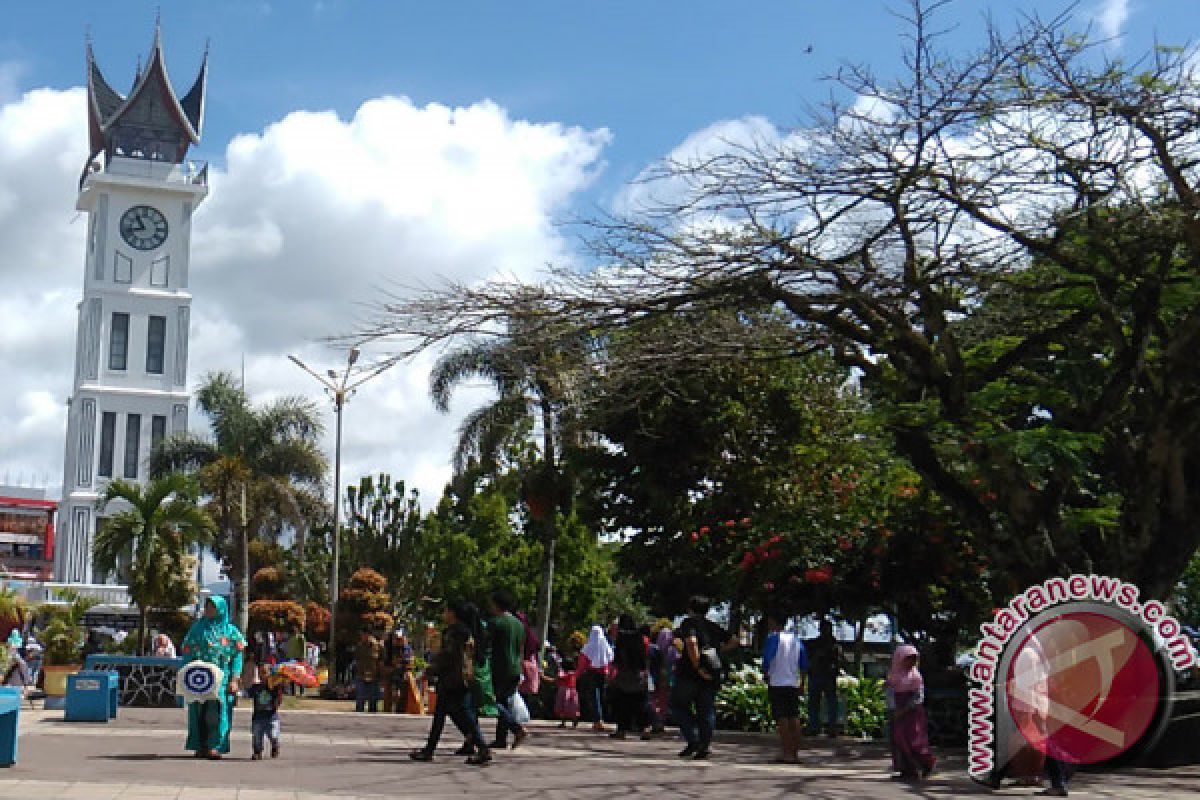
{"x": 745, "y": 522}
{"x": 224, "y": 641}
{"x": 818, "y": 575}
{"x": 730, "y": 523}
{"x": 695, "y": 538}
{"x": 843, "y": 543}
{"x": 704, "y": 531}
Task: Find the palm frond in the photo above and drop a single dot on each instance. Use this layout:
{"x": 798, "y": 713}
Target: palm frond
{"x": 491, "y": 360}
{"x": 182, "y": 452}
{"x": 487, "y": 429}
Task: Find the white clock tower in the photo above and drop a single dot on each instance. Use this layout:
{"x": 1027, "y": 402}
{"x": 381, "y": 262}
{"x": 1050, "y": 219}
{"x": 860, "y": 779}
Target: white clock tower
{"x": 130, "y": 388}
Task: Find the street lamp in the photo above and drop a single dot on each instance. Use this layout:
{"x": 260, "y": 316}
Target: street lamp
{"x": 339, "y": 388}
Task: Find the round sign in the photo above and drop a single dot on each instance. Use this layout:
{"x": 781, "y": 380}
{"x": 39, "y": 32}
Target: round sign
{"x": 199, "y": 681}
{"x": 1083, "y": 687}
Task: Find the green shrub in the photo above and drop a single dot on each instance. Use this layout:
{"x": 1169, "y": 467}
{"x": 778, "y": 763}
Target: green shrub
{"x": 744, "y": 707}
{"x": 742, "y": 703}
{"x": 866, "y": 708}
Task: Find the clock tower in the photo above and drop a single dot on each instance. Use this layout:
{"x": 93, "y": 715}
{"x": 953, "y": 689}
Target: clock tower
{"x": 139, "y": 192}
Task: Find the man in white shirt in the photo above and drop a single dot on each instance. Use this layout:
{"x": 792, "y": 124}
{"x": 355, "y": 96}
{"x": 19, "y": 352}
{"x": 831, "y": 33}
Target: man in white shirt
{"x": 784, "y": 661}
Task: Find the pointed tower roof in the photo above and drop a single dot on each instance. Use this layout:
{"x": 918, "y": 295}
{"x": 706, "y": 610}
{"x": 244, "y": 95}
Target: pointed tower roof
{"x": 151, "y": 104}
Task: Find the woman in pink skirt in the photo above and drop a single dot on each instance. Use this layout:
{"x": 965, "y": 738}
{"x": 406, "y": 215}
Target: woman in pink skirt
{"x": 911, "y": 756}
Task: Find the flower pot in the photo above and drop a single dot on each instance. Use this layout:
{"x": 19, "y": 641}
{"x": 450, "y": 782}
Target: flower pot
{"x": 54, "y": 679}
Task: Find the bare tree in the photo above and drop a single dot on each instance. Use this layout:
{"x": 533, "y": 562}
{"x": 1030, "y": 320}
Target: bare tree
{"x": 950, "y": 234}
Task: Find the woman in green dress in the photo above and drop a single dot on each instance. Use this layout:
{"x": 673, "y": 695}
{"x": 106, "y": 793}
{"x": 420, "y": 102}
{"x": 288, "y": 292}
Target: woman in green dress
{"x": 213, "y": 638}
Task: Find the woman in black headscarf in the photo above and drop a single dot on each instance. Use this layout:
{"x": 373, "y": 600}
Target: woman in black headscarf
{"x": 453, "y": 668}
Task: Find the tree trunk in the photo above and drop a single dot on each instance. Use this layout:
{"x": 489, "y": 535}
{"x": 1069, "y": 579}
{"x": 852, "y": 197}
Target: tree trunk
{"x": 860, "y": 637}
{"x": 243, "y": 590}
{"x": 546, "y": 590}
{"x": 142, "y": 630}
{"x": 550, "y": 536}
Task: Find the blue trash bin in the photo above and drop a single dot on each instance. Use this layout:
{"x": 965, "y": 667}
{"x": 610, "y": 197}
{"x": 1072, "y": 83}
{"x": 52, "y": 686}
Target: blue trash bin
{"x": 11, "y": 698}
{"x": 88, "y": 696}
{"x": 114, "y": 693}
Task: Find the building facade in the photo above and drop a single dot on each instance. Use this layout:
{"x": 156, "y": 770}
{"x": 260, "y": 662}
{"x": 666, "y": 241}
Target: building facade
{"x": 26, "y": 534}
{"x": 139, "y": 191}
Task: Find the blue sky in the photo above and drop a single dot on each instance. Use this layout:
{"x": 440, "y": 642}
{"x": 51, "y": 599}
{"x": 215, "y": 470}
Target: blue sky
{"x": 650, "y": 72}
{"x": 518, "y": 115}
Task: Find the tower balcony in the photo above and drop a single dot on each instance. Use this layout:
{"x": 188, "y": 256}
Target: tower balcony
{"x": 187, "y": 177}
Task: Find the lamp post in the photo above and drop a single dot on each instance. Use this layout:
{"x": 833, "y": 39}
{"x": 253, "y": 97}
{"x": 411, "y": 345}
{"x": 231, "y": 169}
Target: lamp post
{"x": 339, "y": 388}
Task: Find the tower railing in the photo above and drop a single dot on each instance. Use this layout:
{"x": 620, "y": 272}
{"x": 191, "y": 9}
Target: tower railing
{"x": 188, "y": 171}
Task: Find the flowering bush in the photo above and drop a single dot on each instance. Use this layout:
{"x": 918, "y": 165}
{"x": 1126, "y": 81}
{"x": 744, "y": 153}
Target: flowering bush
{"x": 276, "y": 615}
{"x": 742, "y": 703}
{"x": 866, "y": 709}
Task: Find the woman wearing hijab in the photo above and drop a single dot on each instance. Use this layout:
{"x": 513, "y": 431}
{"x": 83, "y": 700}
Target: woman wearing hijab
{"x": 164, "y": 647}
{"x": 213, "y": 638}
{"x": 595, "y": 662}
{"x": 453, "y": 668}
{"x": 531, "y": 672}
{"x": 627, "y": 685}
{"x": 663, "y": 655}
{"x": 911, "y": 756}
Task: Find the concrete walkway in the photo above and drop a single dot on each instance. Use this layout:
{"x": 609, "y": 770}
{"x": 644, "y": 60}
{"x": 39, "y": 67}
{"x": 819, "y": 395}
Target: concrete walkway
{"x": 346, "y": 756}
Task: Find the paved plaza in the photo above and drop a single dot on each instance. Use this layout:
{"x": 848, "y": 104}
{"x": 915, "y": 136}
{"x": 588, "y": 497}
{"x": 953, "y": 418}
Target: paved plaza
{"x": 345, "y": 755}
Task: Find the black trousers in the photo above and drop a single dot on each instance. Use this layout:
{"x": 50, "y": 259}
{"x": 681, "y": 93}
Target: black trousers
{"x": 505, "y": 718}
{"x": 458, "y": 706}
{"x": 627, "y": 708}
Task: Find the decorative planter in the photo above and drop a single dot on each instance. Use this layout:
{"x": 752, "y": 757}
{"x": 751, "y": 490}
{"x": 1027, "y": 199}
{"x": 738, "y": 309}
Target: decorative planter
{"x": 55, "y": 678}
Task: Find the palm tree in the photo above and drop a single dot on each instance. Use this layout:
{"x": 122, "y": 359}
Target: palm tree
{"x": 12, "y": 607}
{"x": 155, "y": 528}
{"x": 536, "y": 379}
{"x": 259, "y": 470}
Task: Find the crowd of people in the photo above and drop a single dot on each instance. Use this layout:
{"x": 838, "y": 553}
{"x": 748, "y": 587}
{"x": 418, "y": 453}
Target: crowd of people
{"x": 628, "y": 679}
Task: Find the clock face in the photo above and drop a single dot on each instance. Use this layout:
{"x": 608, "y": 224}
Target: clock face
{"x": 144, "y": 227}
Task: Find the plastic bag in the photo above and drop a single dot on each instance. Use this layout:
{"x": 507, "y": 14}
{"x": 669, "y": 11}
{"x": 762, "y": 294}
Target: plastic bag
{"x": 520, "y": 710}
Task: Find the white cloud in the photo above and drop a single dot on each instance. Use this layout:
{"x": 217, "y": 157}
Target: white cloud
{"x": 307, "y": 219}
{"x": 1110, "y": 16}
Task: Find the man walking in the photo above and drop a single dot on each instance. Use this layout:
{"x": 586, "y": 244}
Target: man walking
{"x": 784, "y": 662}
{"x": 697, "y": 678}
{"x": 824, "y": 661}
{"x": 508, "y": 645}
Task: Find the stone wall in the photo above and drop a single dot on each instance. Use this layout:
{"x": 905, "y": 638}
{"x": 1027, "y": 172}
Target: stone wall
{"x": 145, "y": 682}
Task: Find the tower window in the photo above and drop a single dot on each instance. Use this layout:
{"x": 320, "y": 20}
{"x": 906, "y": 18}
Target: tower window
{"x": 133, "y": 442}
{"x": 158, "y": 430}
{"x": 118, "y": 341}
{"x": 156, "y": 340}
{"x": 122, "y": 268}
{"x": 108, "y": 431}
{"x": 160, "y": 271}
